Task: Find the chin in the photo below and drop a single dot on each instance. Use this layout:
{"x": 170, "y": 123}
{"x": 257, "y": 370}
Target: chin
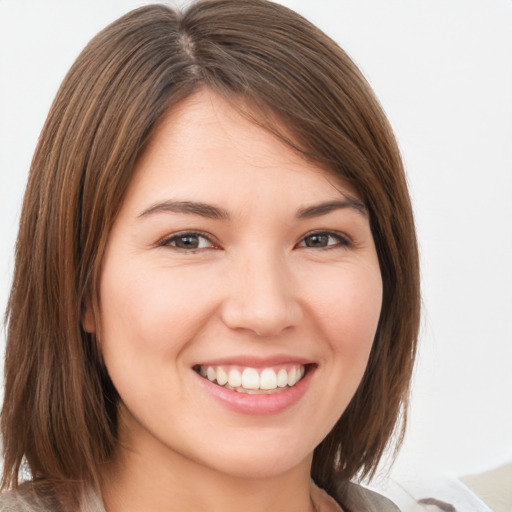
{"x": 252, "y": 466}
{"x": 266, "y": 458}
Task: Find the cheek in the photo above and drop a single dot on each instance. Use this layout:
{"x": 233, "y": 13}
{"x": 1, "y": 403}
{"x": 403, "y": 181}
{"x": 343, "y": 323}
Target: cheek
{"x": 146, "y": 312}
{"x": 347, "y": 310}
{"x": 349, "y": 307}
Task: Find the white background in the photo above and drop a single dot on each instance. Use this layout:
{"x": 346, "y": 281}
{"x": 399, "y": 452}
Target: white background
{"x": 443, "y": 72}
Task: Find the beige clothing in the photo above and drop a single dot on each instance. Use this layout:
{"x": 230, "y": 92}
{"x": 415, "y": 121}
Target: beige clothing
{"x": 355, "y": 498}
{"x": 350, "y": 497}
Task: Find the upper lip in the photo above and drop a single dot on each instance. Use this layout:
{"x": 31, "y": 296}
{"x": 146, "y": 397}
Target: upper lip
{"x": 256, "y": 362}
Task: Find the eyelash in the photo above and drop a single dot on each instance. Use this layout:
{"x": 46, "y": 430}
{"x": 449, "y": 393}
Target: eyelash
{"x": 167, "y": 242}
{"x": 341, "y": 240}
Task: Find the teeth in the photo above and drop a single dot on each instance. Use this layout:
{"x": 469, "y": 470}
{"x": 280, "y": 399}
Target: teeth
{"x": 292, "y": 376}
{"x": 268, "y": 379}
{"x": 282, "y": 378}
{"x": 211, "y": 374}
{"x": 222, "y": 377}
{"x": 235, "y": 378}
{"x": 250, "y": 381}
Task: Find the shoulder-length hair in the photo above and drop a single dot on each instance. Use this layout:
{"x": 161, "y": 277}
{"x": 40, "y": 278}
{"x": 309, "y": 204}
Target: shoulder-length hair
{"x": 60, "y": 408}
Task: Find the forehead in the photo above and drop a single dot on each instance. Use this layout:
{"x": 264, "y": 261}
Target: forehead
{"x": 205, "y": 139}
{"x": 205, "y": 123}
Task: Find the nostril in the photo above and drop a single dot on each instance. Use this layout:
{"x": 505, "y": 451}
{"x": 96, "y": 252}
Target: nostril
{"x": 261, "y": 320}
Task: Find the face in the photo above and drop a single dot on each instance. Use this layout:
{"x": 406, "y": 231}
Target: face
{"x": 240, "y": 294}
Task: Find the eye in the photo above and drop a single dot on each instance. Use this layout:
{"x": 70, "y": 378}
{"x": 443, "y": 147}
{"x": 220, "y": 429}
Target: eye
{"x": 188, "y": 241}
{"x": 324, "y": 240}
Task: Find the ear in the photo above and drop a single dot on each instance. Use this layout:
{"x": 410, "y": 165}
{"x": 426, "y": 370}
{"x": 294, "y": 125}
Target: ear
{"x": 88, "y": 322}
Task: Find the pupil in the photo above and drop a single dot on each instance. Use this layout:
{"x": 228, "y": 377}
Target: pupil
{"x": 317, "y": 240}
{"x": 187, "y": 242}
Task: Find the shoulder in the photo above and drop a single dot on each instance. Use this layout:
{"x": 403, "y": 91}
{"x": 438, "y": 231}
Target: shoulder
{"x": 359, "y": 498}
{"x": 13, "y": 502}
{"x": 356, "y": 498}
{"x": 42, "y": 497}
{"x": 26, "y": 498}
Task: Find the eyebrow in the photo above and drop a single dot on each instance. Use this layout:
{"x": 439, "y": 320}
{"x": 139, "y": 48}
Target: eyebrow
{"x": 324, "y": 208}
{"x": 215, "y": 212}
{"x": 192, "y": 207}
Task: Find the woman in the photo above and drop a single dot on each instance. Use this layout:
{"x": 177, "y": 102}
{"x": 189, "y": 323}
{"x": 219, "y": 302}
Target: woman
{"x": 216, "y": 293}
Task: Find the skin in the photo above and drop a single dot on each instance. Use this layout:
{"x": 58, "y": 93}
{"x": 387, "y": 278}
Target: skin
{"x": 253, "y": 287}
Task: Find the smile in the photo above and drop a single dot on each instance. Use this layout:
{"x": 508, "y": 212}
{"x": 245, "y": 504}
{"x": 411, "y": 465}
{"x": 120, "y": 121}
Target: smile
{"x": 251, "y": 380}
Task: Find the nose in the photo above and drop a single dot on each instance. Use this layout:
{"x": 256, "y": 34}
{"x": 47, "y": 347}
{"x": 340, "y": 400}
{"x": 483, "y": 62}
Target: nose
{"x": 261, "y": 299}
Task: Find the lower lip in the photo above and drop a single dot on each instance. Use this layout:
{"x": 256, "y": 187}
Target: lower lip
{"x": 259, "y": 404}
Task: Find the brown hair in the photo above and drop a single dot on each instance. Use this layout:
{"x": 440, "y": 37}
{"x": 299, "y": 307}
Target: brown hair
{"x": 59, "y": 411}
